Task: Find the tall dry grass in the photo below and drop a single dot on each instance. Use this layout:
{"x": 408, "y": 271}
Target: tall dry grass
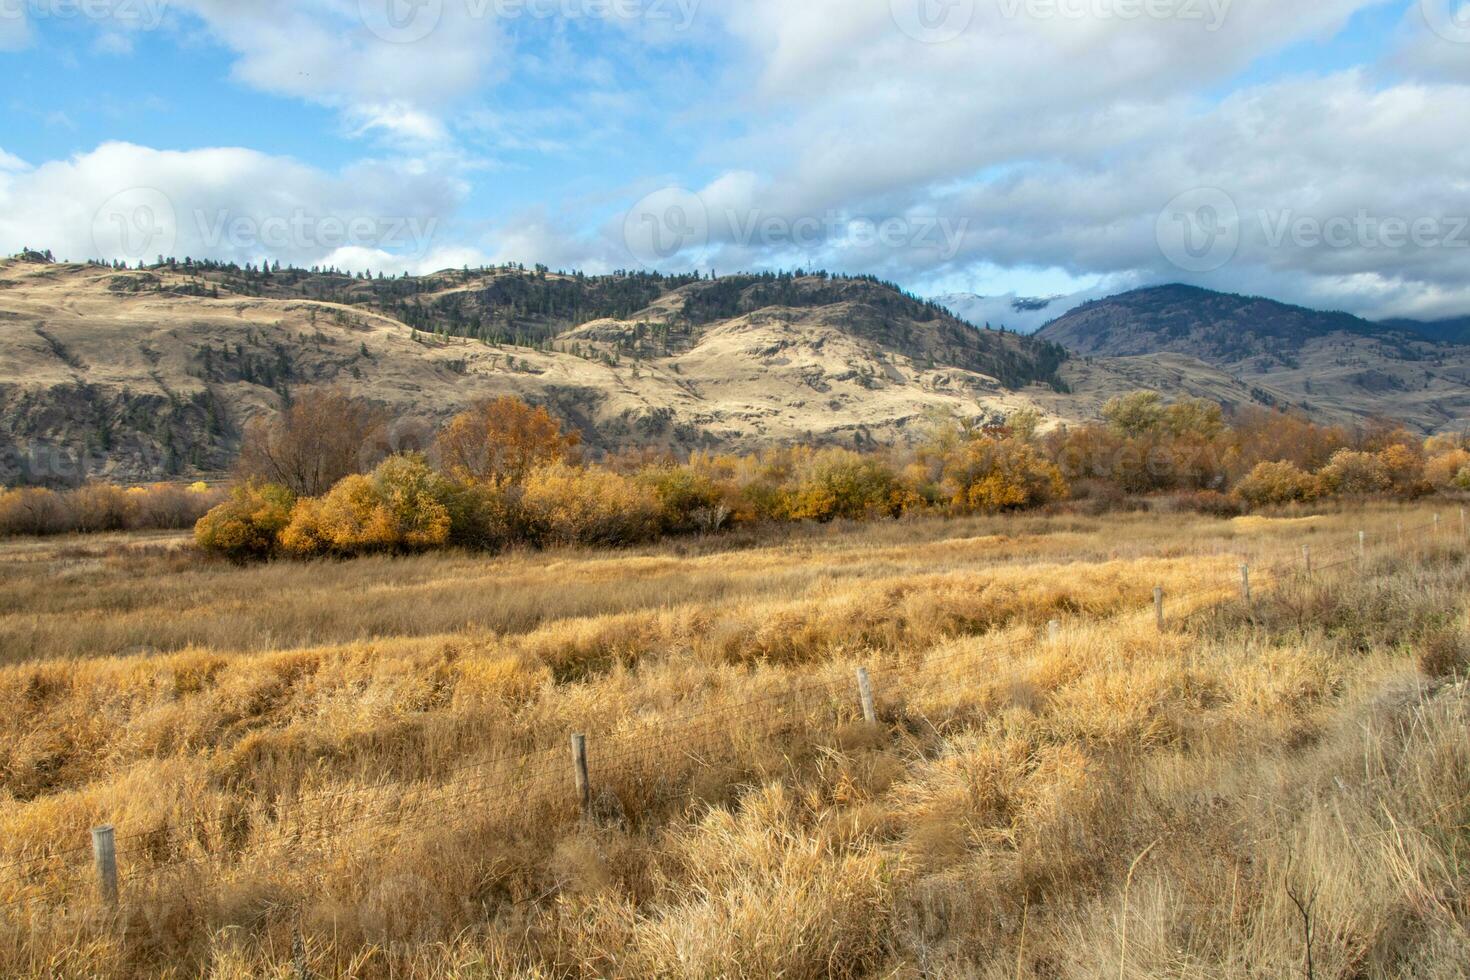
{"x": 393, "y": 797}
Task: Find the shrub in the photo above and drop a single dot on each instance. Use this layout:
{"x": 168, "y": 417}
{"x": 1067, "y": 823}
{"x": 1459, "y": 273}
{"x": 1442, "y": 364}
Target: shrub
{"x": 1404, "y": 467}
{"x": 166, "y": 507}
{"x": 1210, "y": 502}
{"x": 1352, "y": 473}
{"x": 99, "y": 507}
{"x": 1274, "y": 484}
{"x": 500, "y": 441}
{"x": 402, "y": 506}
{"x": 988, "y": 476}
{"x": 248, "y": 524}
{"x": 839, "y": 483}
{"x": 688, "y": 500}
{"x": 565, "y": 505}
{"x": 1449, "y": 470}
{"x": 34, "y": 511}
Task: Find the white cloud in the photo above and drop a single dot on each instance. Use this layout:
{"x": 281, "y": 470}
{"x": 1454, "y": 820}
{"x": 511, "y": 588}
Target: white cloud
{"x": 129, "y": 202}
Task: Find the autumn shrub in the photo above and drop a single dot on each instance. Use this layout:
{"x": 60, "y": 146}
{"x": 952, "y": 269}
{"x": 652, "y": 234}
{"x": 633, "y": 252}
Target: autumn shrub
{"x": 1274, "y": 484}
{"x": 99, "y": 507}
{"x": 403, "y": 506}
{"x": 1449, "y": 470}
{"x": 1210, "y": 502}
{"x": 32, "y": 510}
{"x": 1404, "y": 466}
{"x": 1353, "y": 473}
{"x": 247, "y": 525}
{"x": 568, "y": 505}
{"x": 688, "y": 500}
{"x": 839, "y": 483}
{"x": 169, "y": 507}
{"x": 987, "y": 476}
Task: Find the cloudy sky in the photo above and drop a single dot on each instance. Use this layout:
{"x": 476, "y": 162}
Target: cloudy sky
{"x": 1316, "y": 151}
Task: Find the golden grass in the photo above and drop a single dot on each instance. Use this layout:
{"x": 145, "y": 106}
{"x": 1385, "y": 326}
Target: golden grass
{"x": 363, "y": 766}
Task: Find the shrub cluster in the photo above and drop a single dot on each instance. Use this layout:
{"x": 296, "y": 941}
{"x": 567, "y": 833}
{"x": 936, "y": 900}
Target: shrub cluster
{"x": 98, "y": 507}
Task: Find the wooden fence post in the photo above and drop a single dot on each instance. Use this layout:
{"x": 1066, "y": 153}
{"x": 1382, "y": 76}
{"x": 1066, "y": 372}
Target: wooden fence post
{"x": 104, "y": 853}
{"x": 579, "y": 766}
{"x": 1362, "y": 547}
{"x": 865, "y": 692}
{"x": 1463, "y": 530}
{"x": 1245, "y": 583}
{"x": 1159, "y": 606}
{"x": 1307, "y": 557}
{"x": 1436, "y": 526}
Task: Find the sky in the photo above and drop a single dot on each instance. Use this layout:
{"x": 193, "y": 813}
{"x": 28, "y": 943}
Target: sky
{"x": 1315, "y": 151}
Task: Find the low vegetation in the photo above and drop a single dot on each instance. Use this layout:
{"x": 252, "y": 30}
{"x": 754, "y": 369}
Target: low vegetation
{"x": 506, "y": 474}
{"x": 359, "y": 769}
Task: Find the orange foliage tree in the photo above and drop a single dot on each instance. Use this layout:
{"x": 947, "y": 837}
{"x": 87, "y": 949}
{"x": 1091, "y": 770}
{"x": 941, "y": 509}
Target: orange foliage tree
{"x": 500, "y": 441}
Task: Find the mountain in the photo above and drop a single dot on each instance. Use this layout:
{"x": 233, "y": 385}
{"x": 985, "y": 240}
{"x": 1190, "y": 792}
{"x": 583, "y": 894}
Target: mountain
{"x": 1452, "y": 331}
{"x": 1334, "y": 365}
{"x": 136, "y": 374}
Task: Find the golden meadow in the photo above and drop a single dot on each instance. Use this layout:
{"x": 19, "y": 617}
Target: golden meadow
{"x": 361, "y": 768}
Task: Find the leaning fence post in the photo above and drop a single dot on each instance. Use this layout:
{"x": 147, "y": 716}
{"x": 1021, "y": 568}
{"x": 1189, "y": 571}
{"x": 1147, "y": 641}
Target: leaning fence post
{"x": 1054, "y": 630}
{"x": 579, "y": 767}
{"x": 865, "y": 692}
{"x": 104, "y": 853}
{"x": 1245, "y": 583}
{"x": 1159, "y": 606}
{"x": 1307, "y": 557}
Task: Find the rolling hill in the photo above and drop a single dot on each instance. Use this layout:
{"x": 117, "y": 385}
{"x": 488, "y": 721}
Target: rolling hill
{"x": 135, "y": 374}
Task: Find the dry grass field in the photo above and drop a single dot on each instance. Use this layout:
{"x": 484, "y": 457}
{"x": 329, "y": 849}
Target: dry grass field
{"x": 362, "y": 769}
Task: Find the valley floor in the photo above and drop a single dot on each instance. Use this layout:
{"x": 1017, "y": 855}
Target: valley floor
{"x": 362, "y": 769}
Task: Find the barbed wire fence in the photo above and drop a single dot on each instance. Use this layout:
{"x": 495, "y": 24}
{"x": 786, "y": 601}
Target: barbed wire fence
{"x": 104, "y": 867}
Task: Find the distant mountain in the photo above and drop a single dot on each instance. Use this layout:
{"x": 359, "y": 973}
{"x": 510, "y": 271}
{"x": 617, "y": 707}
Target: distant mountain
{"x": 1452, "y": 331}
{"x": 1333, "y": 364}
{"x": 1021, "y": 314}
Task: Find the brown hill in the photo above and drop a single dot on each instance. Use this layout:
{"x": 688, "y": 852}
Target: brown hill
{"x": 137, "y": 374}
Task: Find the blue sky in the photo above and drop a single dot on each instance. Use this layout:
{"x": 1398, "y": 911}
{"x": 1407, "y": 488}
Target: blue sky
{"x": 1314, "y": 152}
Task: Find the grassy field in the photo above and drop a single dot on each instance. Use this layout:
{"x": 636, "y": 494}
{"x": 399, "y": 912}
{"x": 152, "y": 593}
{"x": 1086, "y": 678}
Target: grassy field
{"x": 362, "y": 769}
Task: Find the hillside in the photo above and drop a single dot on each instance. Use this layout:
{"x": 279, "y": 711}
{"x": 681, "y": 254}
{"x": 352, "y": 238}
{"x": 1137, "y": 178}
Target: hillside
{"x": 1334, "y": 365}
{"x": 136, "y": 374}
